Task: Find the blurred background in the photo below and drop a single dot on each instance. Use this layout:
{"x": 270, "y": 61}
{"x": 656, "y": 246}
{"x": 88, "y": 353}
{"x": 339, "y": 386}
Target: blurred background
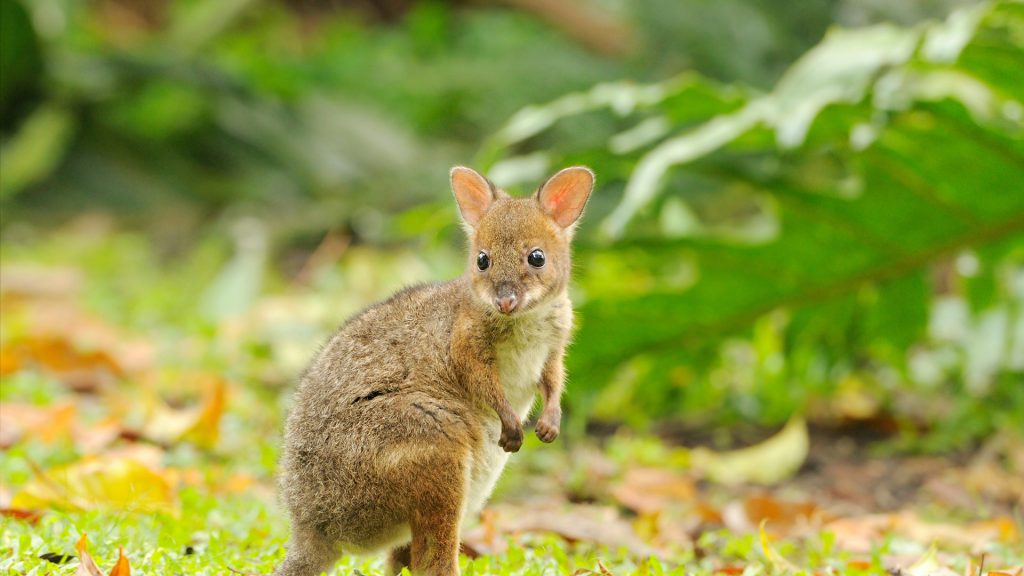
{"x": 856, "y": 251}
{"x": 807, "y": 210}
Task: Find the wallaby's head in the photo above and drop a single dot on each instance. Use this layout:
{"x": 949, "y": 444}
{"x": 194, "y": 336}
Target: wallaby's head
{"x": 519, "y": 247}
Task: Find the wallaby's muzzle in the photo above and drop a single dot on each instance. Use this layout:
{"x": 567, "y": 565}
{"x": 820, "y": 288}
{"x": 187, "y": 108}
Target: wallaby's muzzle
{"x": 505, "y": 299}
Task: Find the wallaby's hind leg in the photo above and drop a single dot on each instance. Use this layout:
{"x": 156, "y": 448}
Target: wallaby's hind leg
{"x": 435, "y": 545}
{"x": 436, "y": 516}
{"x": 309, "y": 553}
{"x": 401, "y": 557}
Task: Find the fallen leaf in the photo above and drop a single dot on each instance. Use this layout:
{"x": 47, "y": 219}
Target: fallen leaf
{"x": 200, "y": 424}
{"x": 974, "y": 535}
{"x": 121, "y": 568}
{"x": 120, "y": 483}
{"x": 53, "y": 331}
{"x": 785, "y": 516}
{"x": 30, "y": 516}
{"x": 859, "y": 533}
{"x": 86, "y": 565}
{"x": 650, "y": 490}
{"x": 47, "y": 424}
{"x": 56, "y": 558}
{"x": 600, "y": 525}
{"x": 762, "y": 508}
{"x": 82, "y": 370}
{"x": 769, "y": 462}
{"x": 928, "y": 565}
{"x": 94, "y": 438}
{"x": 206, "y": 429}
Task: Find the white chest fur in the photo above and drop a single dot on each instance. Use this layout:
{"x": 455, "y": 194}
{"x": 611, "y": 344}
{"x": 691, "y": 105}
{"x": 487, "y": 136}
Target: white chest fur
{"x": 520, "y": 358}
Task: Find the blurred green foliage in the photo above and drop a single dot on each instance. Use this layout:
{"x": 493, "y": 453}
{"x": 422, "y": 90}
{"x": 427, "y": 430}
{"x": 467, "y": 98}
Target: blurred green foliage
{"x": 856, "y": 232}
{"x": 841, "y": 235}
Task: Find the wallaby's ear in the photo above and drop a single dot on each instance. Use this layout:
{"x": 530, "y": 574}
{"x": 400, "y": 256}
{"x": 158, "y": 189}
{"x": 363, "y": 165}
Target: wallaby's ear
{"x": 473, "y": 192}
{"x": 565, "y": 194}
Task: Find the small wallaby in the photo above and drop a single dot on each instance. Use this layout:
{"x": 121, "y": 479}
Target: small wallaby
{"x": 403, "y": 423}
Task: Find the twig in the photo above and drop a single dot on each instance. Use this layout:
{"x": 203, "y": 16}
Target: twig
{"x": 595, "y": 30}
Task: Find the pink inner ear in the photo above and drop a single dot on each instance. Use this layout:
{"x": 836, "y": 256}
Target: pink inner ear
{"x": 472, "y": 192}
{"x": 564, "y": 196}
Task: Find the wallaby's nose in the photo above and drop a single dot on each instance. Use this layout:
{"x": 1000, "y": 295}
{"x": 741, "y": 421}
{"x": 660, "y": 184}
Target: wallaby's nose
{"x": 506, "y": 303}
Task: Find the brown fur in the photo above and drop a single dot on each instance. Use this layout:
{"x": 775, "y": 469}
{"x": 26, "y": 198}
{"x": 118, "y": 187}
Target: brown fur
{"x": 402, "y": 424}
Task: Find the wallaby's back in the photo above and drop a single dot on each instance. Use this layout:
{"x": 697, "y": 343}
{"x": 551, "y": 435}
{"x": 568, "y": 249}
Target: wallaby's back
{"x": 377, "y": 396}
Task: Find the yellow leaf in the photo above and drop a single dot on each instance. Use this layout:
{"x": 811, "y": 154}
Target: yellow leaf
{"x": 206, "y": 429}
{"x": 769, "y": 462}
{"x": 98, "y": 483}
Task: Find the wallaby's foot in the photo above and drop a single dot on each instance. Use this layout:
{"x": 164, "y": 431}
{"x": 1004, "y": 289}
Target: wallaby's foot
{"x": 309, "y": 554}
{"x": 548, "y": 426}
{"x": 401, "y": 557}
{"x": 511, "y": 436}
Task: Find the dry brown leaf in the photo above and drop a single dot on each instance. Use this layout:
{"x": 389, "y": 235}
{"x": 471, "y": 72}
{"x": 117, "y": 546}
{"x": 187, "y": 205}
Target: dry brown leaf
{"x": 779, "y": 512}
{"x": 47, "y": 424}
{"x": 600, "y": 525}
{"x": 859, "y": 533}
{"x": 64, "y": 321}
{"x": 86, "y": 565}
{"x": 30, "y": 516}
{"x": 82, "y": 370}
{"x": 783, "y": 517}
{"x": 200, "y": 424}
{"x": 974, "y": 536}
{"x": 650, "y": 490}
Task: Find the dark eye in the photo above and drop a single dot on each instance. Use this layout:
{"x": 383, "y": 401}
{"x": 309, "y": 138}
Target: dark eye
{"x": 536, "y": 258}
{"x": 483, "y": 261}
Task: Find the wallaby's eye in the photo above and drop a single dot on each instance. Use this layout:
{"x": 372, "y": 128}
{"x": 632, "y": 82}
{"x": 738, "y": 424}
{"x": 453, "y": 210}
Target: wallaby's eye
{"x": 536, "y": 258}
{"x": 483, "y": 261}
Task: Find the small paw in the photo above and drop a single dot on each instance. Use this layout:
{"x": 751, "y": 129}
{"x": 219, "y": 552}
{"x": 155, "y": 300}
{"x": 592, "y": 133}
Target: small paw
{"x": 548, "y": 428}
{"x": 511, "y": 438}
